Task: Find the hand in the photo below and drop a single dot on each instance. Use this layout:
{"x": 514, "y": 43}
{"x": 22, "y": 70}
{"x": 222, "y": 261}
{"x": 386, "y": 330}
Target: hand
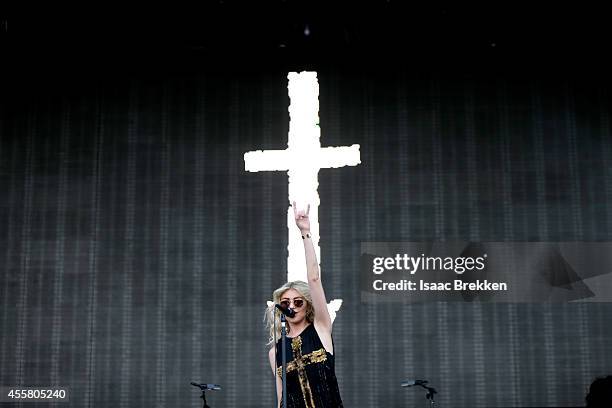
{"x": 301, "y": 219}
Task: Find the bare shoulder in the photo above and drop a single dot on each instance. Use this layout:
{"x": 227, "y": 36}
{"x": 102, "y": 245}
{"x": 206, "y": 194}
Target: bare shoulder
{"x": 272, "y": 353}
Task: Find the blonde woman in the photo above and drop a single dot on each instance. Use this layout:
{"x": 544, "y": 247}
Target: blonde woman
{"x": 311, "y": 379}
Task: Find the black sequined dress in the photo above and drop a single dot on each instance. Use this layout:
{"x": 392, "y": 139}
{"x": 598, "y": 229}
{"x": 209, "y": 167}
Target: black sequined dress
{"x": 311, "y": 379}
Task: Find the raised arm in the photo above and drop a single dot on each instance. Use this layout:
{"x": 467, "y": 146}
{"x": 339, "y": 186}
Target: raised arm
{"x": 322, "y": 318}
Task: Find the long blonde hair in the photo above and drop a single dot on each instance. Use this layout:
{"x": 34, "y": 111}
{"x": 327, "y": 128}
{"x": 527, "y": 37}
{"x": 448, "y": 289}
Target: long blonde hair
{"x": 272, "y": 314}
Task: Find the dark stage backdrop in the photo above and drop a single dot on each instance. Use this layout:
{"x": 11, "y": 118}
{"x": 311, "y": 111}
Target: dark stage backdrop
{"x": 137, "y": 254}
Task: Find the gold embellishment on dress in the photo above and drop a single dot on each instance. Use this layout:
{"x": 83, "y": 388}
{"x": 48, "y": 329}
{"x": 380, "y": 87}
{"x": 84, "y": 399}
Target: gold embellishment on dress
{"x": 317, "y": 356}
{"x": 296, "y": 344}
{"x": 299, "y": 363}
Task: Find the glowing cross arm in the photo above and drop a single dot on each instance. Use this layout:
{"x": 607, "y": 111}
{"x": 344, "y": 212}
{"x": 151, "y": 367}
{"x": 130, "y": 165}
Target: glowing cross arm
{"x": 334, "y": 157}
{"x": 282, "y": 160}
{"x": 270, "y": 160}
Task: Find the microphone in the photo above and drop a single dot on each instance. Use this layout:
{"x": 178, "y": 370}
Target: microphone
{"x": 203, "y": 387}
{"x": 410, "y": 383}
{"x": 289, "y": 312}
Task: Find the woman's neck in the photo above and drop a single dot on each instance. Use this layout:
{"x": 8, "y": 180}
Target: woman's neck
{"x": 298, "y": 328}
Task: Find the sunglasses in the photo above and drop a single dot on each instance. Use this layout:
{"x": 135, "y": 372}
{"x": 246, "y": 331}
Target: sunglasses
{"x": 296, "y": 303}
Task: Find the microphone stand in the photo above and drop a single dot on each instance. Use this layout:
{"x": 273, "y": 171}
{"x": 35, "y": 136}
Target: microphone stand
{"x": 430, "y": 390}
{"x": 203, "y": 396}
{"x": 430, "y": 393}
{"x": 205, "y": 387}
{"x": 284, "y": 357}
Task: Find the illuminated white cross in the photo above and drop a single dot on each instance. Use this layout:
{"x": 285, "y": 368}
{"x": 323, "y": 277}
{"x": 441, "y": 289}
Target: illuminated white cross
{"x": 302, "y": 160}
